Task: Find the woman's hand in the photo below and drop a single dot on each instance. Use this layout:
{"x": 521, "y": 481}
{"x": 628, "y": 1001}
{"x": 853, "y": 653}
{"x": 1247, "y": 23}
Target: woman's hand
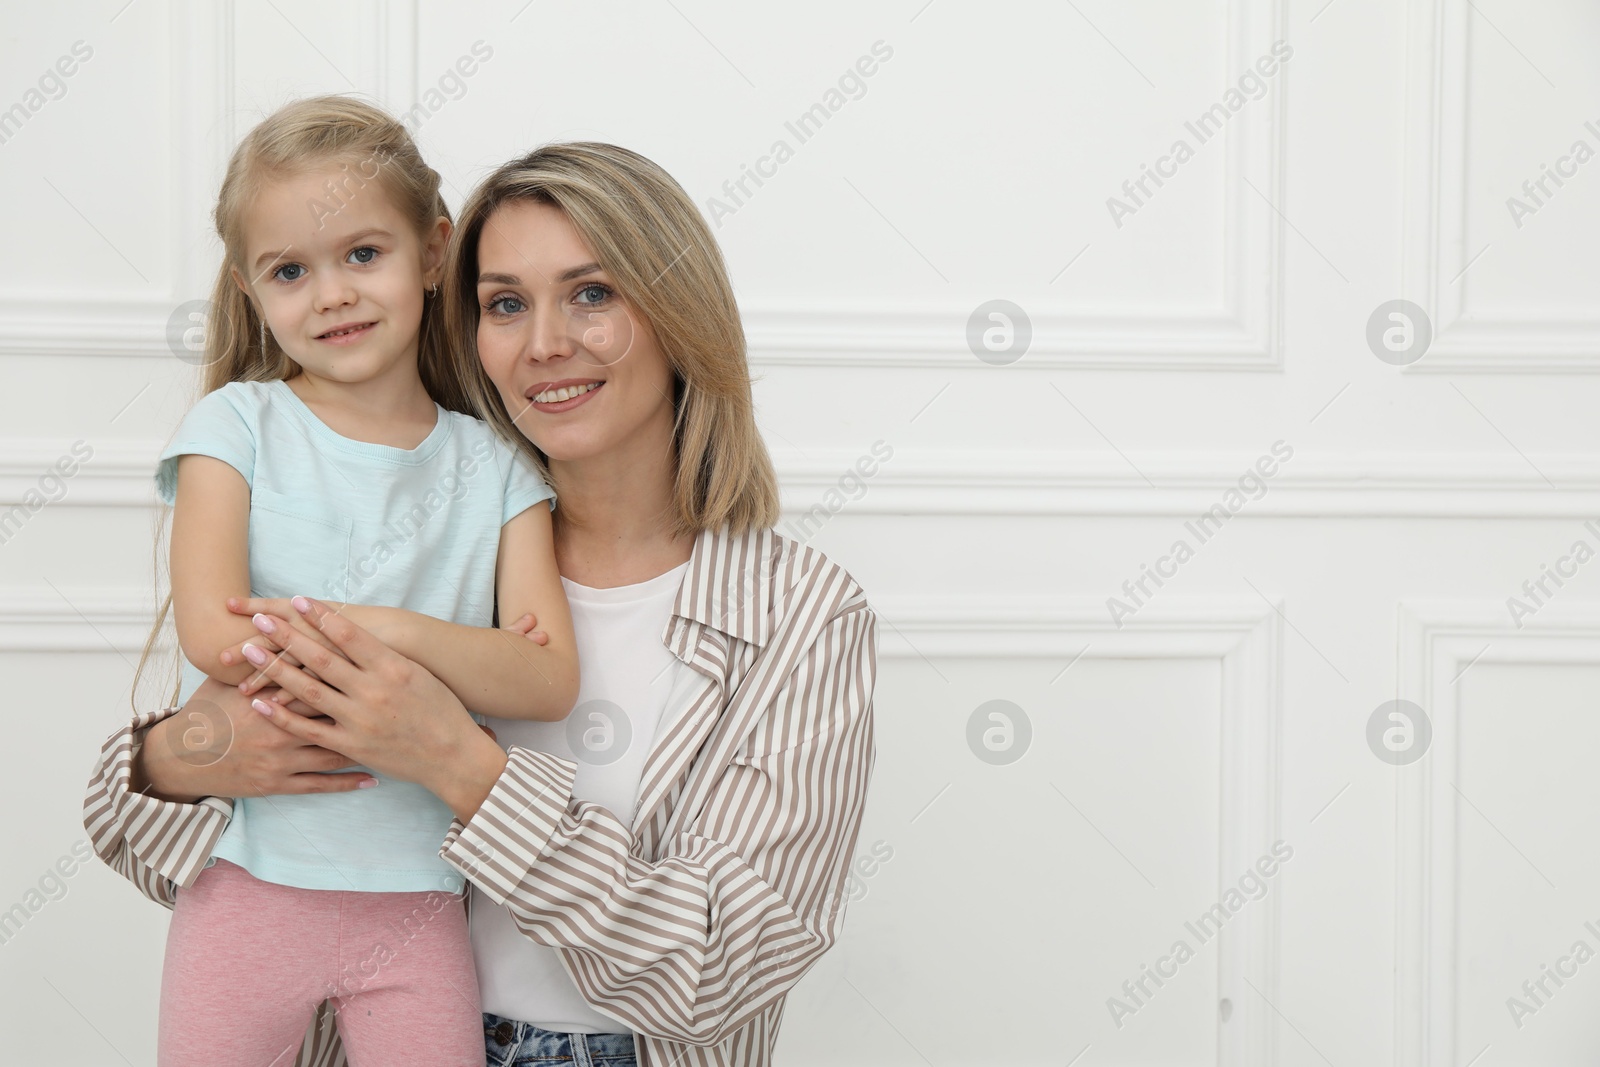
{"x": 386, "y": 624}
{"x": 216, "y": 745}
{"x": 387, "y": 712}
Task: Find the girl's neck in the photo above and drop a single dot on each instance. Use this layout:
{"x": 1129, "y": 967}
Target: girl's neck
{"x": 393, "y": 410}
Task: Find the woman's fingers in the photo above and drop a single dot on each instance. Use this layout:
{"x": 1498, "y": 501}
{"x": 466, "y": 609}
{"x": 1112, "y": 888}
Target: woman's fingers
{"x": 330, "y": 783}
{"x": 260, "y": 605}
{"x": 323, "y": 680}
{"x": 259, "y": 681}
{"x": 281, "y": 606}
{"x": 358, "y": 646}
{"x": 316, "y": 731}
{"x": 293, "y": 619}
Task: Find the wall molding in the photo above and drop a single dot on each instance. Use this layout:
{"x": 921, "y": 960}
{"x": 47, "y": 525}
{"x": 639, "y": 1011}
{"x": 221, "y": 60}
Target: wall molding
{"x": 1244, "y": 333}
{"x": 205, "y": 127}
{"x": 1437, "y": 641}
{"x": 1002, "y": 482}
{"x": 1247, "y": 638}
{"x": 1438, "y": 96}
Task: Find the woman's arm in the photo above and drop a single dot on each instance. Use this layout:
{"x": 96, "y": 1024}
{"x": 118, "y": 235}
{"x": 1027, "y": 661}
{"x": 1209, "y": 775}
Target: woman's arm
{"x": 742, "y": 901}
{"x": 160, "y": 795}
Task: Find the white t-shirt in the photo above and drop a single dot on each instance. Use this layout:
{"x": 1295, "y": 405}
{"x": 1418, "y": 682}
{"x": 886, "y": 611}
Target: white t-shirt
{"x": 628, "y": 679}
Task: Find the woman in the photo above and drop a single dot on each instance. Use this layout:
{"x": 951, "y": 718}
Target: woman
{"x": 672, "y": 886}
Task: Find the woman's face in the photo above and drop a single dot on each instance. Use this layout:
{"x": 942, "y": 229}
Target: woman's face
{"x": 578, "y": 370}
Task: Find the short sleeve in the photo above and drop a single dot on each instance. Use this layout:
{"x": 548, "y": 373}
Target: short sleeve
{"x": 523, "y": 486}
{"x": 220, "y": 425}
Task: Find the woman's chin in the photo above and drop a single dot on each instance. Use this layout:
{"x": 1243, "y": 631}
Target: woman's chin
{"x": 565, "y": 447}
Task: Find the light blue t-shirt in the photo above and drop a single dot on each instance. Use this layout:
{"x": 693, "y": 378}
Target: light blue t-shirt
{"x": 360, "y": 523}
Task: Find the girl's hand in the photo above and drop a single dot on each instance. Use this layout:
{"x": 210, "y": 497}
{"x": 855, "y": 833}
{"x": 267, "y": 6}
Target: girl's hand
{"x": 387, "y": 712}
{"x": 525, "y": 627}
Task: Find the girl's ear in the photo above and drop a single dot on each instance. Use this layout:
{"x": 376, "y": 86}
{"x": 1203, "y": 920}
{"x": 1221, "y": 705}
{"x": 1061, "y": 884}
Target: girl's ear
{"x": 238, "y": 279}
{"x": 433, "y": 252}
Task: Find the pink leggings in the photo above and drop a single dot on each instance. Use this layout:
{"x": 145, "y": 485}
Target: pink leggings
{"x": 248, "y": 962}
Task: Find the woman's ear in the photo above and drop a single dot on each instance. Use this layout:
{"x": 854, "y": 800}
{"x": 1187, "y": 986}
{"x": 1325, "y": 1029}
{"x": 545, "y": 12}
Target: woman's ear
{"x": 433, "y": 251}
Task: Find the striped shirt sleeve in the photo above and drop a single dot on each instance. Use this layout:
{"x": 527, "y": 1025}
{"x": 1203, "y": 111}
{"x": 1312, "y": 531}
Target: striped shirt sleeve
{"x": 746, "y": 897}
{"x": 158, "y": 845}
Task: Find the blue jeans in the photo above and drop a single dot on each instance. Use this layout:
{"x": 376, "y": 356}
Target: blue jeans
{"x": 509, "y": 1043}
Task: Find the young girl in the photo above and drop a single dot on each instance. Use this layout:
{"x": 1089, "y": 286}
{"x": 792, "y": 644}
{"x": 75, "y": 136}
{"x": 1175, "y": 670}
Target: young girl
{"x": 334, "y": 455}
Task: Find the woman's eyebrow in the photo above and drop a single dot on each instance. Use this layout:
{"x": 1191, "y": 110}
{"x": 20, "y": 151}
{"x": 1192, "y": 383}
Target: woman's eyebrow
{"x": 565, "y": 276}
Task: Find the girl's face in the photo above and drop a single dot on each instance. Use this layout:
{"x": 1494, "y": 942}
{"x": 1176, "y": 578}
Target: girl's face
{"x": 338, "y": 272}
{"x": 579, "y": 371}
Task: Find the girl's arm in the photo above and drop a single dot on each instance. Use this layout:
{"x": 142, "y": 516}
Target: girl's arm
{"x": 496, "y": 672}
{"x": 210, "y": 562}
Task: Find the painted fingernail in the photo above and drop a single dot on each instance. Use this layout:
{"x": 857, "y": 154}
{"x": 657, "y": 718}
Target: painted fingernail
{"x": 261, "y": 706}
{"x": 301, "y": 604}
{"x": 368, "y": 784}
{"x": 255, "y": 655}
{"x": 263, "y": 622}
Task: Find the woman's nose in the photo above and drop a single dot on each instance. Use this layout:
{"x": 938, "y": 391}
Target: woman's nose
{"x": 550, "y": 336}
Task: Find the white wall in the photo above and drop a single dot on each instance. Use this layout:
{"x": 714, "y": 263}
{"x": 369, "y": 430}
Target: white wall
{"x": 1228, "y": 311}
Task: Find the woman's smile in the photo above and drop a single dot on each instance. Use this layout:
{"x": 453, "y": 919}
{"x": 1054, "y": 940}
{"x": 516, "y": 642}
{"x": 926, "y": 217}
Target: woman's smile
{"x": 564, "y": 395}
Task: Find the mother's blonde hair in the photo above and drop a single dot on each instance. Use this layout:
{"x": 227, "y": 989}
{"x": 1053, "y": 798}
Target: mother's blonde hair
{"x": 650, "y": 238}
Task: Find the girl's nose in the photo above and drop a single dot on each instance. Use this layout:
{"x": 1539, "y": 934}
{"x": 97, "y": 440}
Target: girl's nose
{"x": 332, "y": 292}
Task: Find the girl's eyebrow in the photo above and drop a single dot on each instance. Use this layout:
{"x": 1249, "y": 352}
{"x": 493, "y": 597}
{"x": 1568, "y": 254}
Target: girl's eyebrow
{"x": 266, "y": 259}
{"x": 362, "y": 235}
{"x": 565, "y": 276}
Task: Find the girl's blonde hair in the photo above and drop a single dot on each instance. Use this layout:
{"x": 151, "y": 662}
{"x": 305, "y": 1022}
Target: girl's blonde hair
{"x": 301, "y": 136}
{"x": 652, "y": 240}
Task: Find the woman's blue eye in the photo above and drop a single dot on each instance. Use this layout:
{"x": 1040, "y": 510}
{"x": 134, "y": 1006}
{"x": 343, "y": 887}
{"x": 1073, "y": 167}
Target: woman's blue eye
{"x": 497, "y": 305}
{"x": 604, "y": 292}
{"x": 363, "y": 255}
{"x": 282, "y": 277}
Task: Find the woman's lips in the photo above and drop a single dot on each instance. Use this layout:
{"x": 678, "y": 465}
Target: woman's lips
{"x": 349, "y": 336}
{"x": 566, "y": 405}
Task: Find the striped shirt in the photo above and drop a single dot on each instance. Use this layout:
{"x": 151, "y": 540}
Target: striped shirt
{"x": 692, "y": 923}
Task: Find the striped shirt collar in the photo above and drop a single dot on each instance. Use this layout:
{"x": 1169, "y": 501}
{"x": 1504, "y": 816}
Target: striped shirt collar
{"x": 730, "y": 584}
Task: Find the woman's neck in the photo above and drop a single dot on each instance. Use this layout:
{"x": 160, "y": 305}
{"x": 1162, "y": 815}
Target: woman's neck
{"x": 613, "y": 518}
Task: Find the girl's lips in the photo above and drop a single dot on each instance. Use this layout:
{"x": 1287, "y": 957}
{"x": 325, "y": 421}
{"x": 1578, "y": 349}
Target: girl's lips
{"x": 349, "y": 337}
{"x": 567, "y": 405}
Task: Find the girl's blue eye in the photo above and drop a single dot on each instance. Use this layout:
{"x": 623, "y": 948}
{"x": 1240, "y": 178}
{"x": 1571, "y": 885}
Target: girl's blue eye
{"x": 363, "y": 255}
{"x": 604, "y": 292}
{"x": 282, "y": 277}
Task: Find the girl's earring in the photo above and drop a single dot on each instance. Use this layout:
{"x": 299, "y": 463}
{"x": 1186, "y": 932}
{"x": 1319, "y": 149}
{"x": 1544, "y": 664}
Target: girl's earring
{"x": 263, "y": 338}
{"x": 435, "y": 290}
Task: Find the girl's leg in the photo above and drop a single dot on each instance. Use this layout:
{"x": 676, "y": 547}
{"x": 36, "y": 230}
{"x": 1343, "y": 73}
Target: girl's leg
{"x": 247, "y": 963}
{"x": 407, "y": 988}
